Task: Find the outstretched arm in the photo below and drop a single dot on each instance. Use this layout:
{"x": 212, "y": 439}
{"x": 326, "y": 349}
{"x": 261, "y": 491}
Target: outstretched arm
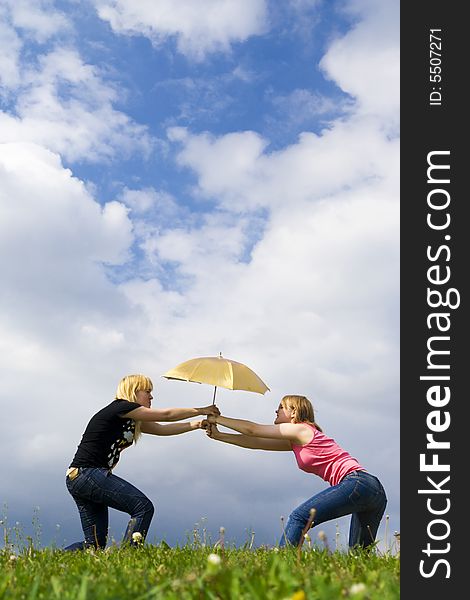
{"x": 172, "y": 429}
{"x": 169, "y": 414}
{"x": 246, "y": 441}
{"x": 298, "y": 433}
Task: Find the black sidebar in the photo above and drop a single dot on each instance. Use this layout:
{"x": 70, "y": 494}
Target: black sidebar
{"x": 435, "y": 250}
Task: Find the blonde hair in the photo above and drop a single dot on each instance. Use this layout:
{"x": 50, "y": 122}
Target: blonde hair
{"x": 126, "y": 390}
{"x": 304, "y": 412}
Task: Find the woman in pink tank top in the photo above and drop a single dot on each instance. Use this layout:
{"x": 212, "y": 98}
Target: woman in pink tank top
{"x": 352, "y": 490}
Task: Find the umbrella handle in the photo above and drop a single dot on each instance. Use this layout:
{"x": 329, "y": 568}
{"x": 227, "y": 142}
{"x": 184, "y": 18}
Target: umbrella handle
{"x": 213, "y": 399}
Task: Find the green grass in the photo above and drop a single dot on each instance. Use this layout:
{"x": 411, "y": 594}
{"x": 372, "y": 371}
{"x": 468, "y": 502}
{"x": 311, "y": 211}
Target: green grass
{"x": 161, "y": 572}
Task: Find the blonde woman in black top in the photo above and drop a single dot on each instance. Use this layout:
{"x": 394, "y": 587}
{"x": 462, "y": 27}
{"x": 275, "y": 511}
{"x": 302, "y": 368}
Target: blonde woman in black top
{"x": 90, "y": 479}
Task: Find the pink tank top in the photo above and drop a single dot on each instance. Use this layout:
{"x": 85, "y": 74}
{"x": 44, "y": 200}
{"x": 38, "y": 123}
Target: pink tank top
{"x": 323, "y": 457}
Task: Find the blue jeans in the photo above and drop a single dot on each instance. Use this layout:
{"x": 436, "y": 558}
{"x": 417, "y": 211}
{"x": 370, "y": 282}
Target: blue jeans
{"x": 359, "y": 494}
{"x": 96, "y": 489}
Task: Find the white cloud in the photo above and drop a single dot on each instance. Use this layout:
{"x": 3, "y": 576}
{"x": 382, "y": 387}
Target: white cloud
{"x": 235, "y": 170}
{"x": 9, "y": 61}
{"x": 217, "y": 175}
{"x": 146, "y": 202}
{"x": 57, "y": 100}
{"x": 303, "y": 17}
{"x": 302, "y": 104}
{"x": 80, "y": 123}
{"x": 365, "y": 62}
{"x": 199, "y": 27}
{"x": 104, "y": 337}
{"x": 35, "y": 19}
{"x": 191, "y": 246}
{"x": 38, "y": 18}
{"x": 243, "y": 74}
{"x": 57, "y": 234}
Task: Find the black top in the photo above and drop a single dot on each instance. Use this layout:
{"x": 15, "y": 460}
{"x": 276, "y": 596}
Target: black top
{"x": 106, "y": 435}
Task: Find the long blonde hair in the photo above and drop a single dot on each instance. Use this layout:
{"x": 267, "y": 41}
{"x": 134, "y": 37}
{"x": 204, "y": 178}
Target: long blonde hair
{"x": 304, "y": 412}
{"x": 126, "y": 390}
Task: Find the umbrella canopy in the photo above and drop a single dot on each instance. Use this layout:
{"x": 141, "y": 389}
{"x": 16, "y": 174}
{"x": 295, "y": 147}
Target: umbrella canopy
{"x": 220, "y": 372}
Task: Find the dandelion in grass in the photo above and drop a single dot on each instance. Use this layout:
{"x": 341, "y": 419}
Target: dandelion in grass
{"x": 300, "y": 595}
{"x": 214, "y": 559}
{"x": 214, "y": 564}
{"x": 357, "y": 588}
{"x": 308, "y": 540}
{"x": 137, "y": 537}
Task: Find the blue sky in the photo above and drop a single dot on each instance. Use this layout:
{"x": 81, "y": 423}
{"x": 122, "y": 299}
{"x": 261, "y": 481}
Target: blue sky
{"x": 179, "y": 179}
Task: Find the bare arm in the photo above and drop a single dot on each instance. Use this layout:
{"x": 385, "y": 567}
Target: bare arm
{"x": 246, "y": 441}
{"x": 172, "y": 429}
{"x": 298, "y": 433}
{"x": 169, "y": 414}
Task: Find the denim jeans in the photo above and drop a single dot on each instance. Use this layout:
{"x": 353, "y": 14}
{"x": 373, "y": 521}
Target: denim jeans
{"x": 96, "y": 489}
{"x": 359, "y": 494}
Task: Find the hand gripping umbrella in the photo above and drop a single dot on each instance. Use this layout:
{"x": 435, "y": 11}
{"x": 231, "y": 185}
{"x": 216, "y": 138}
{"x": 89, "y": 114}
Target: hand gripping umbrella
{"x": 219, "y": 372}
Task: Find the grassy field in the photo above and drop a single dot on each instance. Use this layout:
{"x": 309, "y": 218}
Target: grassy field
{"x": 196, "y": 572}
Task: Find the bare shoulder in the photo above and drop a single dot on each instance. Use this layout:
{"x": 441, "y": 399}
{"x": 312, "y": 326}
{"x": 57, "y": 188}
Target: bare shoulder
{"x": 305, "y": 433}
{"x": 298, "y": 433}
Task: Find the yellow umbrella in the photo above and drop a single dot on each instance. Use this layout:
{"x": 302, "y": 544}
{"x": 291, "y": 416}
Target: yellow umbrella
{"x": 219, "y": 372}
